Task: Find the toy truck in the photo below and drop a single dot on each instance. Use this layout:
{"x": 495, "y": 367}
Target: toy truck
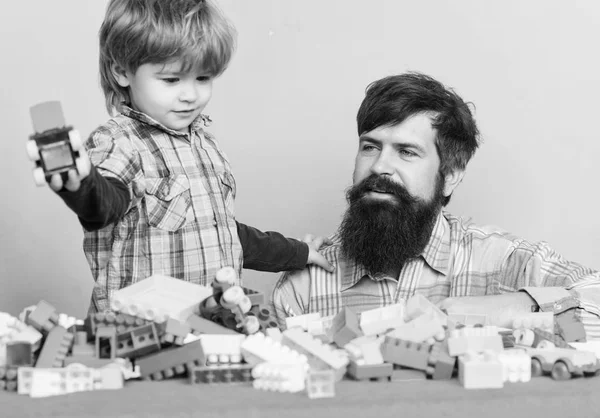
{"x": 54, "y": 147}
{"x": 562, "y": 363}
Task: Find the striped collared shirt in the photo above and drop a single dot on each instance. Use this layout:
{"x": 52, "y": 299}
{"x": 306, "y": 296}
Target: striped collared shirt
{"x": 180, "y": 221}
{"x": 460, "y": 259}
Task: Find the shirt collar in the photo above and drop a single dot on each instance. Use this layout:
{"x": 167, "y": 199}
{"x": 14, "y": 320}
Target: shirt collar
{"x": 201, "y": 122}
{"x": 436, "y": 254}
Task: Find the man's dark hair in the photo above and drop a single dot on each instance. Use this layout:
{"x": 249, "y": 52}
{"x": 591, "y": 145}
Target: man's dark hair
{"x": 393, "y": 99}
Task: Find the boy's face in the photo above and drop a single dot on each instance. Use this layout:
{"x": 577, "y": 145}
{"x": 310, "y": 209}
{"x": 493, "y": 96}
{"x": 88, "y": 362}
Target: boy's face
{"x": 166, "y": 94}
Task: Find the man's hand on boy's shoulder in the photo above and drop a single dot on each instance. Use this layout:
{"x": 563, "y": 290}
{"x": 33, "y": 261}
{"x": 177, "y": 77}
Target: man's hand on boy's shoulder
{"x": 74, "y": 178}
{"x": 314, "y": 256}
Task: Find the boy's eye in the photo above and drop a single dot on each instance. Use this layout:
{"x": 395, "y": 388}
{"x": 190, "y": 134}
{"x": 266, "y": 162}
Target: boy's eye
{"x": 203, "y": 78}
{"x": 170, "y": 80}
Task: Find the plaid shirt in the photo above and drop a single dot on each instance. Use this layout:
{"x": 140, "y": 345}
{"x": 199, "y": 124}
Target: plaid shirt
{"x": 460, "y": 259}
{"x": 180, "y": 221}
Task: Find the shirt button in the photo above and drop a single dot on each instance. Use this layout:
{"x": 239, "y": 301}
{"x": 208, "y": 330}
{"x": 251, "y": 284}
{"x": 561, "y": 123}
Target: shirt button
{"x": 558, "y": 306}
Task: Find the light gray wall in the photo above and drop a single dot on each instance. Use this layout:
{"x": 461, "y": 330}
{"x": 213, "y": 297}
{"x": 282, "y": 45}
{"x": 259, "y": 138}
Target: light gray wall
{"x": 285, "y": 114}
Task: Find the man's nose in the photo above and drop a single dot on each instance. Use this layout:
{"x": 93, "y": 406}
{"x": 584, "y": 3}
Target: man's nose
{"x": 382, "y": 166}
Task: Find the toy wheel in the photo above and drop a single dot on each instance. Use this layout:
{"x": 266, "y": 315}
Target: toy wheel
{"x": 232, "y": 297}
{"x": 33, "y": 151}
{"x": 226, "y": 275}
{"x": 252, "y": 325}
{"x": 83, "y": 167}
{"x": 75, "y": 140}
{"x": 560, "y": 371}
{"x": 536, "y": 368}
{"x": 39, "y": 177}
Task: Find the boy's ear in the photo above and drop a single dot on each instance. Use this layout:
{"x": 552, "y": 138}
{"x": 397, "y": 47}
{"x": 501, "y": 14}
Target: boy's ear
{"x": 120, "y": 74}
{"x": 452, "y": 180}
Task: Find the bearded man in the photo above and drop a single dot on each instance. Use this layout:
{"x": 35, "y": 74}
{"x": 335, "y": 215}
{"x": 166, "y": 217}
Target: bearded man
{"x": 416, "y": 137}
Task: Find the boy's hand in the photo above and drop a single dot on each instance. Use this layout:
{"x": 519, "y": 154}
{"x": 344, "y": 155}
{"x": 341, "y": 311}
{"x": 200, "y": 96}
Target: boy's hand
{"x": 74, "y": 177}
{"x": 314, "y": 257}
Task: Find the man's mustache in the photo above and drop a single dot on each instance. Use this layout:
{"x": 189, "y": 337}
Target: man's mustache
{"x": 380, "y": 184}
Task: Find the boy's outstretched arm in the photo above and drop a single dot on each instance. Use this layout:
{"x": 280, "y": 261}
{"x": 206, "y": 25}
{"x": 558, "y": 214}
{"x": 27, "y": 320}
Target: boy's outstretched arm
{"x": 271, "y": 251}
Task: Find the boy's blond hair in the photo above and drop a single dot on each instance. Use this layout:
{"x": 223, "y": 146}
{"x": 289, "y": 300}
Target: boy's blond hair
{"x": 137, "y": 32}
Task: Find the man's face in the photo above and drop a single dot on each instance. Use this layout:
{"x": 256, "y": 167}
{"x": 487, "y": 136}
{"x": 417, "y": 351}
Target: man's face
{"x": 405, "y": 153}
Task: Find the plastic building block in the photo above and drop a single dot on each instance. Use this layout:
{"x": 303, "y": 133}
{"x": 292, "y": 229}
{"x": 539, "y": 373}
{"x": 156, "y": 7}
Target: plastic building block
{"x": 106, "y": 337}
{"x": 138, "y": 342}
{"x": 569, "y": 327}
{"x": 279, "y": 377}
{"x": 224, "y": 279}
{"x": 12, "y": 329}
{"x": 562, "y": 364}
{"x": 319, "y": 355}
{"x": 406, "y": 353}
{"x": 274, "y": 334}
{"x": 121, "y": 321}
{"x": 80, "y": 345}
{"x": 108, "y": 378}
{"x": 365, "y": 350}
{"x": 533, "y": 338}
{"x": 480, "y": 370}
{"x": 54, "y": 147}
{"x": 508, "y": 339}
{"x": 418, "y": 305}
{"x": 43, "y": 318}
{"x": 265, "y": 317}
{"x": 301, "y": 321}
{"x": 174, "y": 331}
{"x": 55, "y": 349}
{"x": 201, "y": 325}
{"x": 475, "y": 339}
{"x": 345, "y": 327}
{"x": 320, "y": 384}
{"x": 456, "y": 319}
{"x": 25, "y": 313}
{"x": 380, "y": 320}
{"x": 159, "y": 297}
{"x": 542, "y": 320}
{"x": 373, "y": 372}
{"x": 88, "y": 361}
{"x": 222, "y": 348}
{"x": 424, "y": 328}
{"x": 233, "y": 373}
{"x": 258, "y": 348}
{"x": 171, "y": 361}
{"x": 516, "y": 365}
{"x": 239, "y": 304}
{"x": 256, "y": 297}
{"x": 401, "y": 374}
{"x": 440, "y": 364}
{"x": 8, "y": 378}
{"x": 19, "y": 353}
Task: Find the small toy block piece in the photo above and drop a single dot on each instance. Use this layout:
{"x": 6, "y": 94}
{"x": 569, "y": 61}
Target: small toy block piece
{"x": 122, "y": 321}
{"x": 159, "y": 297}
{"x": 266, "y": 319}
{"x": 570, "y": 327}
{"x": 19, "y": 353}
{"x": 229, "y": 373}
{"x": 379, "y": 320}
{"x": 54, "y": 147}
{"x": 344, "y": 327}
{"x": 106, "y": 337}
{"x": 320, "y": 384}
{"x": 12, "y": 329}
{"x": 222, "y": 348}
{"x": 424, "y": 328}
{"x": 256, "y": 297}
{"x": 373, "y": 372}
{"x": 8, "y": 378}
{"x": 24, "y": 375}
{"x": 365, "y": 350}
{"x": 508, "y": 339}
{"x": 201, "y": 325}
{"x": 81, "y": 347}
{"x": 418, "y": 305}
{"x": 441, "y": 364}
{"x": 108, "y": 378}
{"x": 274, "y": 334}
{"x": 60, "y": 381}
{"x": 25, "y": 313}
{"x": 406, "y": 353}
{"x": 279, "y": 377}
{"x": 535, "y": 337}
{"x": 171, "y": 361}
{"x": 319, "y": 355}
{"x": 467, "y": 320}
{"x": 238, "y": 303}
{"x": 258, "y": 348}
{"x": 43, "y": 318}
{"x": 174, "y": 331}
{"x": 480, "y": 370}
{"x": 138, "y": 342}
{"x": 301, "y": 321}
{"x": 542, "y": 320}
{"x": 55, "y": 349}
{"x": 401, "y": 374}
{"x": 475, "y": 339}
{"x": 516, "y": 365}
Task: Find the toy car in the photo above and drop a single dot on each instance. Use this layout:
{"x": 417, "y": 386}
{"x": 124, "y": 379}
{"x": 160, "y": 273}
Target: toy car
{"x": 562, "y": 363}
{"x": 54, "y": 147}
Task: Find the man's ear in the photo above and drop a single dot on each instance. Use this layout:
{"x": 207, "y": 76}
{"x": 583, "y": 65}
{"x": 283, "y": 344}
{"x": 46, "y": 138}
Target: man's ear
{"x": 452, "y": 180}
{"x": 120, "y": 74}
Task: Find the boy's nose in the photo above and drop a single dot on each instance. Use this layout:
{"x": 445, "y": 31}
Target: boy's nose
{"x": 188, "y": 94}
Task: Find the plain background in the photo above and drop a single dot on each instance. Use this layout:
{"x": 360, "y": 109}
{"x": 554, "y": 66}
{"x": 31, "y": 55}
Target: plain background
{"x": 285, "y": 110}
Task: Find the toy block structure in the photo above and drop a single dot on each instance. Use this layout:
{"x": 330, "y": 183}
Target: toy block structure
{"x": 279, "y": 377}
{"x": 234, "y": 373}
{"x": 344, "y": 327}
{"x": 172, "y": 361}
{"x": 380, "y": 320}
{"x": 440, "y": 364}
{"x": 542, "y": 320}
{"x": 516, "y": 365}
{"x": 424, "y": 328}
{"x": 266, "y": 318}
{"x": 569, "y": 327}
{"x": 319, "y": 355}
{"x": 258, "y": 348}
{"x": 160, "y": 297}
{"x": 419, "y": 305}
{"x": 106, "y": 336}
{"x": 239, "y": 304}
{"x": 55, "y": 349}
{"x": 320, "y": 384}
{"x": 200, "y": 325}
{"x": 222, "y": 349}
{"x": 406, "y": 353}
{"x": 121, "y": 321}
{"x": 137, "y": 342}
{"x": 480, "y": 370}
{"x": 373, "y": 372}
{"x": 475, "y": 339}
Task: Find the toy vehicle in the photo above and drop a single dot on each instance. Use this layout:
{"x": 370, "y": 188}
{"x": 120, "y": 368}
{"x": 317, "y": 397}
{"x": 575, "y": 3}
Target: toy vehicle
{"x": 562, "y": 363}
{"x": 54, "y": 147}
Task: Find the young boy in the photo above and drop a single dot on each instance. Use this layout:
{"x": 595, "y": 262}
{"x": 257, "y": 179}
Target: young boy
{"x": 159, "y": 198}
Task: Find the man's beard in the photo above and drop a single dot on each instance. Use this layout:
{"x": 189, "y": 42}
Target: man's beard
{"x": 383, "y": 234}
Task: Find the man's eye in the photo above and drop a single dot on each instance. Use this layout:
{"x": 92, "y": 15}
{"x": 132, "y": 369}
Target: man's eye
{"x": 368, "y": 147}
{"x": 170, "y": 80}
{"x": 407, "y": 153}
